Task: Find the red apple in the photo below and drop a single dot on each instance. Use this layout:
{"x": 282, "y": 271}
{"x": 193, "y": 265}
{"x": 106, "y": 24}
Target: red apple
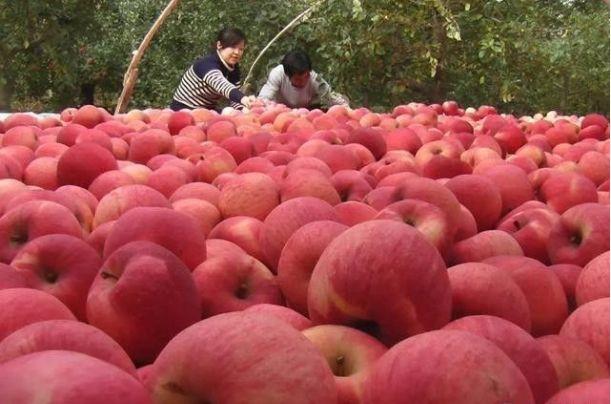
{"x": 84, "y": 379}
{"x": 574, "y": 360}
{"x": 63, "y": 266}
{"x": 446, "y": 366}
{"x": 65, "y": 335}
{"x": 241, "y": 356}
{"x": 581, "y": 234}
{"x": 374, "y": 276}
{"x": 593, "y": 281}
{"x": 130, "y": 299}
{"x": 350, "y": 353}
{"x": 520, "y": 347}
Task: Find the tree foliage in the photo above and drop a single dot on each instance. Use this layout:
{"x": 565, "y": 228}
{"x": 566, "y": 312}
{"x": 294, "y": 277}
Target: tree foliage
{"x": 520, "y": 56}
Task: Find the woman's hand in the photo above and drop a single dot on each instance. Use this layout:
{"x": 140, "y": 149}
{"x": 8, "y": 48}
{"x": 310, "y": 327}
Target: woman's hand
{"x": 248, "y": 100}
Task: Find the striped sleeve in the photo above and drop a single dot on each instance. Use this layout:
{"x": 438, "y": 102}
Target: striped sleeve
{"x": 218, "y": 82}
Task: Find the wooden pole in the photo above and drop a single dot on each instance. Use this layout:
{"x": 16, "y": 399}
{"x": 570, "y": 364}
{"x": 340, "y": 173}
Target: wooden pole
{"x": 278, "y": 35}
{"x": 131, "y": 75}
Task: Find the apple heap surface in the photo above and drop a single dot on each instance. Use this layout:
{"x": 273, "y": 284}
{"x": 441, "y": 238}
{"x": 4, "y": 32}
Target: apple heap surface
{"x": 430, "y": 253}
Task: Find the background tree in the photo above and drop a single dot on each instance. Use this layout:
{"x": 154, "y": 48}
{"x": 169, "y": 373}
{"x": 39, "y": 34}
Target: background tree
{"x": 520, "y": 56}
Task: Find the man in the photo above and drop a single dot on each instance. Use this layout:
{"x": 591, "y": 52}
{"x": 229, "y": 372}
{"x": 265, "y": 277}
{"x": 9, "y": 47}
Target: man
{"x": 294, "y": 84}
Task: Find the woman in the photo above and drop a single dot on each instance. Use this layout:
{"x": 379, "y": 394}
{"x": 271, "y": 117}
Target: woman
{"x": 215, "y": 76}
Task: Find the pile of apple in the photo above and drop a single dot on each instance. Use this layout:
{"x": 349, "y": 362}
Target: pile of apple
{"x": 432, "y": 254}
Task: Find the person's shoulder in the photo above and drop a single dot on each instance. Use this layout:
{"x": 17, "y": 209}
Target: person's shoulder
{"x": 205, "y": 63}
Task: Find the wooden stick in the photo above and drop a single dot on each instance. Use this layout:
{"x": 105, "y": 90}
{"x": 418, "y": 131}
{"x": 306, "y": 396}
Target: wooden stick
{"x": 129, "y": 80}
{"x": 290, "y": 25}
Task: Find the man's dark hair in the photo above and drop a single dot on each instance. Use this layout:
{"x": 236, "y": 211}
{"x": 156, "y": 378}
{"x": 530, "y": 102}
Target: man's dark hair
{"x": 229, "y": 37}
{"x": 296, "y": 62}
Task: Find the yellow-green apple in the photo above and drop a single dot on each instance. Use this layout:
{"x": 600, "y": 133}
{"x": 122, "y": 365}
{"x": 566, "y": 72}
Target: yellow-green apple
{"x": 563, "y": 190}
{"x": 519, "y": 346}
{"x": 544, "y": 292}
{"x": 63, "y": 266}
{"x": 350, "y": 354}
{"x": 23, "y": 306}
{"x": 85, "y": 379}
{"x": 241, "y": 357}
{"x": 530, "y": 227}
{"x": 82, "y": 163}
{"x": 33, "y": 219}
{"x": 299, "y": 257}
{"x": 586, "y": 392}
{"x": 285, "y": 219}
{"x": 118, "y": 201}
{"x": 533, "y": 152}
{"x": 374, "y": 276}
{"x": 130, "y": 299}
{"x": 480, "y": 195}
{"x": 250, "y": 194}
{"x": 65, "y": 335}
{"x": 290, "y": 316}
{"x": 513, "y": 184}
{"x": 425, "y": 217}
{"x": 233, "y": 282}
{"x": 483, "y": 245}
{"x": 479, "y": 288}
{"x": 446, "y": 366}
{"x": 593, "y": 281}
{"x": 581, "y": 234}
{"x": 574, "y": 361}
{"x": 178, "y": 232}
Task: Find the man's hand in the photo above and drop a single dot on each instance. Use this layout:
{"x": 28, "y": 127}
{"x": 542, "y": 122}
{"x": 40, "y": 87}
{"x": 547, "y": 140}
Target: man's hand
{"x": 248, "y": 100}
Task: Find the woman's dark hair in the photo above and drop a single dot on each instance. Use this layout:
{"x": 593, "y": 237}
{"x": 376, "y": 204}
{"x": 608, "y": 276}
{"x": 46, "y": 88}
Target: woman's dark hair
{"x": 230, "y": 37}
{"x": 296, "y": 62}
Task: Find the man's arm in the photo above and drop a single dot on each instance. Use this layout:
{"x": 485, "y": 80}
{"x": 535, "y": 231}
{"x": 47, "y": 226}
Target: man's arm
{"x": 272, "y": 87}
{"x": 325, "y": 95}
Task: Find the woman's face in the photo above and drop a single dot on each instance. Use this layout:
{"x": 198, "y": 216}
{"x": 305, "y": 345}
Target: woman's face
{"x": 231, "y": 54}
